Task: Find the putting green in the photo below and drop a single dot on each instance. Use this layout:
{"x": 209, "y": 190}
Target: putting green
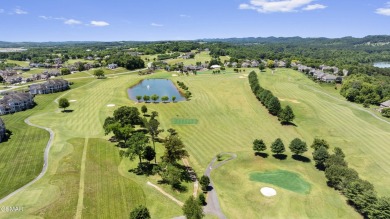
{"x": 283, "y": 179}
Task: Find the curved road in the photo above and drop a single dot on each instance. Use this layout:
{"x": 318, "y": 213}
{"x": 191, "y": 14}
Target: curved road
{"x": 213, "y": 206}
{"x": 45, "y": 161}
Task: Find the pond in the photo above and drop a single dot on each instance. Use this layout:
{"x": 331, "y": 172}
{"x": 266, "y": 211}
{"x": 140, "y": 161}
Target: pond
{"x": 382, "y": 64}
{"x": 160, "y": 87}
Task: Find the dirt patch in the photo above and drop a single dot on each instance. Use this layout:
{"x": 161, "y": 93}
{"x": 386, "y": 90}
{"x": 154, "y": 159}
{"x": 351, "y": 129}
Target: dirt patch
{"x": 72, "y": 101}
{"x": 110, "y": 105}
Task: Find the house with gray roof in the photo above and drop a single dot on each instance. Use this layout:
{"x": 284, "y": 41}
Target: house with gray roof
{"x": 50, "y": 86}
{"x": 15, "y": 101}
{"x": 385, "y": 104}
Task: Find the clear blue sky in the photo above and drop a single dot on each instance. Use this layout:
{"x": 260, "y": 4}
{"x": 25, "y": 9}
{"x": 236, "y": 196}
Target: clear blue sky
{"x": 90, "y": 20}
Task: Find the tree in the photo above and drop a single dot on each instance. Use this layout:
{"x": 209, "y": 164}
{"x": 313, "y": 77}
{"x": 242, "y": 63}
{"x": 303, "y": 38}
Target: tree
{"x": 381, "y": 209}
{"x": 320, "y": 155}
{"x": 261, "y": 67}
{"x": 171, "y": 175}
{"x": 317, "y": 143}
{"x": 173, "y": 98}
{"x": 149, "y": 153}
{"x": 286, "y": 115}
{"x": 174, "y": 149}
{"x": 153, "y": 115}
{"x": 192, "y": 209}
{"x": 144, "y": 109}
{"x": 273, "y": 106}
{"x": 126, "y": 115}
{"x": 137, "y": 144}
{"x": 164, "y": 98}
{"x": 140, "y": 212}
{"x": 277, "y": 146}
{"x": 154, "y": 97}
{"x": 65, "y": 71}
{"x": 63, "y": 103}
{"x": 138, "y": 97}
{"x": 386, "y": 112}
{"x": 152, "y": 126}
{"x": 259, "y": 145}
{"x": 297, "y": 146}
{"x": 204, "y": 182}
{"x": 99, "y": 73}
{"x": 339, "y": 176}
{"x": 362, "y": 195}
{"x": 270, "y": 64}
{"x": 146, "y": 98}
{"x": 202, "y": 199}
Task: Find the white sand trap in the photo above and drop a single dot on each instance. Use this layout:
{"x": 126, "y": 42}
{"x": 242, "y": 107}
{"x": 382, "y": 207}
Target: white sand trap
{"x": 268, "y": 192}
{"x": 110, "y": 105}
{"x": 289, "y": 100}
{"x": 174, "y": 75}
{"x": 72, "y": 100}
{"x": 241, "y": 77}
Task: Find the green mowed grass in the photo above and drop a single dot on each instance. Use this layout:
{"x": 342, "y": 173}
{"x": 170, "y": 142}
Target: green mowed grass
{"x": 21, "y": 157}
{"x": 105, "y": 185}
{"x": 20, "y": 63}
{"x": 241, "y": 197}
{"x": 283, "y": 179}
{"x": 229, "y": 118}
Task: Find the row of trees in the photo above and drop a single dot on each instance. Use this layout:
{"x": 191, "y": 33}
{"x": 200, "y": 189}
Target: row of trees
{"x": 360, "y": 193}
{"x": 271, "y": 102}
{"x": 297, "y": 147}
{"x": 154, "y": 98}
{"x": 187, "y": 93}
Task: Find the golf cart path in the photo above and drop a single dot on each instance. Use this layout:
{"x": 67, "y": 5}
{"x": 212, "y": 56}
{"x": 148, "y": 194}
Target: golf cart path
{"x": 47, "y": 149}
{"x": 45, "y": 161}
{"x": 166, "y": 194}
{"x": 213, "y": 206}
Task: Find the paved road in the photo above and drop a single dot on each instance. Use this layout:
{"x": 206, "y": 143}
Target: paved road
{"x": 45, "y": 161}
{"x": 213, "y": 206}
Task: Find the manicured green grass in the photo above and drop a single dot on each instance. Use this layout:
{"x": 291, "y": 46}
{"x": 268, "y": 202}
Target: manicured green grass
{"x": 72, "y": 61}
{"x": 241, "y": 197}
{"x": 229, "y": 119}
{"x": 20, "y": 63}
{"x": 122, "y": 193}
{"x": 283, "y": 179}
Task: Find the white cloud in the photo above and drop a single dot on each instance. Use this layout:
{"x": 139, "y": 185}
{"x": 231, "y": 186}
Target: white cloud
{"x": 156, "y": 25}
{"x": 185, "y": 16}
{"x": 314, "y": 7}
{"x": 20, "y": 11}
{"x": 99, "y": 23}
{"x": 72, "y": 22}
{"x": 270, "y": 6}
{"x": 51, "y": 18}
{"x": 384, "y": 11}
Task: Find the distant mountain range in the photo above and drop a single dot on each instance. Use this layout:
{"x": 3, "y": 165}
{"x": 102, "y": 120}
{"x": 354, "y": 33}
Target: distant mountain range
{"x": 374, "y": 40}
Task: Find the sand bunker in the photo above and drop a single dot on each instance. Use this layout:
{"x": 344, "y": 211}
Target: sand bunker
{"x": 241, "y": 77}
{"x": 289, "y": 100}
{"x": 174, "y": 75}
{"x": 268, "y": 192}
{"x": 110, "y": 105}
{"x": 72, "y": 100}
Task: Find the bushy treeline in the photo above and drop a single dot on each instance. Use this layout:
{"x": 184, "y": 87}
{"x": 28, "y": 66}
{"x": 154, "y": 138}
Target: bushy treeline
{"x": 270, "y": 101}
{"x": 127, "y": 61}
{"x": 366, "y": 89}
{"x": 360, "y": 193}
{"x": 187, "y": 93}
{"x": 168, "y": 56}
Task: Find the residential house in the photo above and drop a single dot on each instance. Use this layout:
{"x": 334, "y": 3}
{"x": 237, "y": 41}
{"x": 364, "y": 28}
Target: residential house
{"x": 328, "y": 78}
{"x": 245, "y": 64}
{"x": 112, "y": 66}
{"x": 385, "y": 104}
{"x": 255, "y": 64}
{"x": 15, "y": 101}
{"x": 50, "y": 86}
